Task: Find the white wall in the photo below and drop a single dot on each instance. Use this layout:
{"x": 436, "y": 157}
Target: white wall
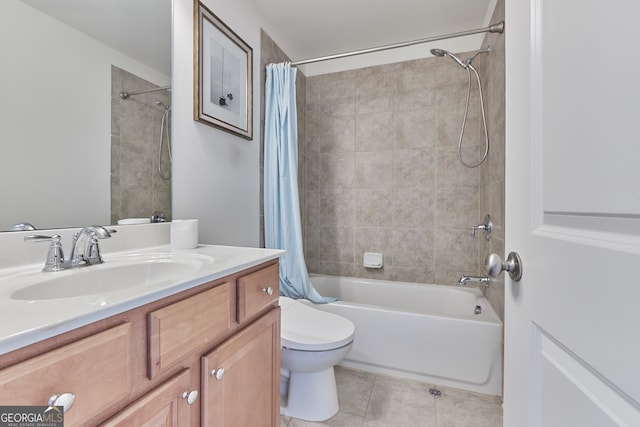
{"x": 55, "y": 120}
{"x": 216, "y": 175}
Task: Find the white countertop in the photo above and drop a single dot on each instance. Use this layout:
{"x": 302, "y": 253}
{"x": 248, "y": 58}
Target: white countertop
{"x": 24, "y": 322}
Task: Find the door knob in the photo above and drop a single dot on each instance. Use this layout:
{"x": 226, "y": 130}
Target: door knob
{"x": 493, "y": 265}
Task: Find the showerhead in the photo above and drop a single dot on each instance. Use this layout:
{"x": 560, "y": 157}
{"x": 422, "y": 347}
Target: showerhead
{"x": 465, "y": 64}
{"x": 442, "y": 52}
{"x": 469, "y": 68}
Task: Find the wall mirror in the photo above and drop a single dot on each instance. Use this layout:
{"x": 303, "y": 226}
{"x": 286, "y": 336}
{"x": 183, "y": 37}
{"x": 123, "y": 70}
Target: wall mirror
{"x": 67, "y": 137}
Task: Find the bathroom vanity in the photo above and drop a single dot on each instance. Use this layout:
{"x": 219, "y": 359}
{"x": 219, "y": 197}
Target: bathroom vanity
{"x": 201, "y": 350}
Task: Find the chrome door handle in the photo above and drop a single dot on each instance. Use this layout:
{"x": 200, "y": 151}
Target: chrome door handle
{"x": 493, "y": 265}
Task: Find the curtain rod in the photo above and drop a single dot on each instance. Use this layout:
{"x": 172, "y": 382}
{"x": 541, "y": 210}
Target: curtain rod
{"x": 125, "y": 94}
{"x": 495, "y": 28}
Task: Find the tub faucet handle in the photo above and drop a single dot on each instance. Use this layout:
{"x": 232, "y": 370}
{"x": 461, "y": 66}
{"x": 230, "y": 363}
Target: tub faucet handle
{"x": 487, "y": 227}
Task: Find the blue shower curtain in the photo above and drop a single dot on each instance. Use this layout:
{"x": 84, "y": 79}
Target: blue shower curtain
{"x": 282, "y": 229}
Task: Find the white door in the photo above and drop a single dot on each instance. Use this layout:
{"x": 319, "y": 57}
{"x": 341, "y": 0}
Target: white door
{"x": 572, "y": 324}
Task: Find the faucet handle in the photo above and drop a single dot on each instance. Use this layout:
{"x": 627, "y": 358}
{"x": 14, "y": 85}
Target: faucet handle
{"x": 93, "y": 254}
{"x": 55, "y": 256}
{"x": 487, "y": 227}
{"x": 36, "y": 238}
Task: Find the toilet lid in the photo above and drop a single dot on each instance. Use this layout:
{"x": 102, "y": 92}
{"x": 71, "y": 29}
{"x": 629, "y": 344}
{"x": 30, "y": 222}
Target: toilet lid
{"x": 310, "y": 329}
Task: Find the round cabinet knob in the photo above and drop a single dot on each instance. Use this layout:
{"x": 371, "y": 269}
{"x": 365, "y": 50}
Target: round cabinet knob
{"x": 268, "y": 291}
{"x": 218, "y": 373}
{"x": 190, "y": 396}
{"x": 63, "y": 399}
{"x": 493, "y": 265}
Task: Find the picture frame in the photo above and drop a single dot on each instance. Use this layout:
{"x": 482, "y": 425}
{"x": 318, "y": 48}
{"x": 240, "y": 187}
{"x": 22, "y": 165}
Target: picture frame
{"x": 223, "y": 75}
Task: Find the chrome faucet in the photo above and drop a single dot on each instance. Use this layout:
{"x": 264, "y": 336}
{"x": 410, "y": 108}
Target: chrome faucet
{"x": 158, "y": 216}
{"x": 22, "y": 226}
{"x": 84, "y": 248}
{"x": 88, "y": 254}
{"x": 464, "y": 279}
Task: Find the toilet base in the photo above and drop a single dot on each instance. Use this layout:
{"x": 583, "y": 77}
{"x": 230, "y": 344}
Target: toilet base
{"x": 312, "y": 396}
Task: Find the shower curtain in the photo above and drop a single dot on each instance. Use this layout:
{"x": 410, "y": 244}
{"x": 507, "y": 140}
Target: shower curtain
{"x": 282, "y": 229}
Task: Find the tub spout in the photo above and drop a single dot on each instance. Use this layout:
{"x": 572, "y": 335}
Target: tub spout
{"x": 464, "y": 279}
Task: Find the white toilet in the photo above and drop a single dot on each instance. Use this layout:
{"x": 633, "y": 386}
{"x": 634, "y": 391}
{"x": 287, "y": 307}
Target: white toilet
{"x": 313, "y": 341}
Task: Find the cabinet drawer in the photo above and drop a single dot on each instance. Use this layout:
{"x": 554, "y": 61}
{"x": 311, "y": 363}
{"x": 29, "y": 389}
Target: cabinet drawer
{"x": 181, "y": 328}
{"x": 253, "y": 291}
{"x": 80, "y": 368}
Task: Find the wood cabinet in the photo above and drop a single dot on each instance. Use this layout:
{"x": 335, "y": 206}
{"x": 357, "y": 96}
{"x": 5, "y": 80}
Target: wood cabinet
{"x": 241, "y": 378}
{"x": 139, "y": 368}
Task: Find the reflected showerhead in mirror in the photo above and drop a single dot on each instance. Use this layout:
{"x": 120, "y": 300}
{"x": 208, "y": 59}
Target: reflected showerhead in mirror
{"x": 165, "y": 137}
{"x": 161, "y": 104}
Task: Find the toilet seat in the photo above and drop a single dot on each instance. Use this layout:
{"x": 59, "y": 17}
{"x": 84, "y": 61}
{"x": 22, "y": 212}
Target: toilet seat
{"x": 307, "y": 329}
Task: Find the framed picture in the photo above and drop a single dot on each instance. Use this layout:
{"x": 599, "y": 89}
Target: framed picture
{"x": 223, "y": 77}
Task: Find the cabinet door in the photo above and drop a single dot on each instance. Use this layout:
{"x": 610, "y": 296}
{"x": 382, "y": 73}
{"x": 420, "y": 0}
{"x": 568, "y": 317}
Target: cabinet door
{"x": 247, "y": 392}
{"x": 164, "y": 406}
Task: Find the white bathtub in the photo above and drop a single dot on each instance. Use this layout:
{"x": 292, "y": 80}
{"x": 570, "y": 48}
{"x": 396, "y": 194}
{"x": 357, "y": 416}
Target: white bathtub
{"x": 424, "y": 332}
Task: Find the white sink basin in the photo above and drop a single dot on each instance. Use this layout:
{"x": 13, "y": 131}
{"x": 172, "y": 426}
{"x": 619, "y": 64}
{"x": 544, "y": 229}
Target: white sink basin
{"x": 114, "y": 275}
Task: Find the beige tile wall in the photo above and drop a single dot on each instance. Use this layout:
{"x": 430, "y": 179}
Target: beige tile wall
{"x": 492, "y": 189}
{"x": 136, "y": 187}
{"x": 383, "y": 174}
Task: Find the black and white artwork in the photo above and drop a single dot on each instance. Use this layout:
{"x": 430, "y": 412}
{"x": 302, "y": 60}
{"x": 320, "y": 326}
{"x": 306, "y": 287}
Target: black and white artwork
{"x": 223, "y": 81}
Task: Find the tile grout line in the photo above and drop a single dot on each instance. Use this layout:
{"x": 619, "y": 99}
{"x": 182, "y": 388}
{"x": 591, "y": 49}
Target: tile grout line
{"x": 366, "y": 409}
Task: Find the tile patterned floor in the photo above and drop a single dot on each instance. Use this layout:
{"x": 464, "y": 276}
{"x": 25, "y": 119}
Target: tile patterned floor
{"x": 371, "y": 400}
